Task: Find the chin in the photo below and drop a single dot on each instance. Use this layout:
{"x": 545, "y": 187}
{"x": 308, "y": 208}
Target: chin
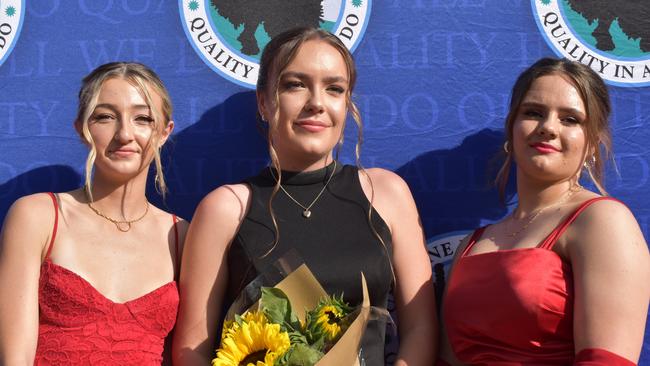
{"x": 126, "y": 171}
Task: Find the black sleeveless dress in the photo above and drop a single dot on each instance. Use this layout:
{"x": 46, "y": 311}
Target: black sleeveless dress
{"x": 336, "y": 241}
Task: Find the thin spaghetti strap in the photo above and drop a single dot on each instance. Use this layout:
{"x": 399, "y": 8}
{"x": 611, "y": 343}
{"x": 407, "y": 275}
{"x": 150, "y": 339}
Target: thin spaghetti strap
{"x": 552, "y": 238}
{"x": 56, "y": 225}
{"x": 175, "y": 220}
{"x": 473, "y": 239}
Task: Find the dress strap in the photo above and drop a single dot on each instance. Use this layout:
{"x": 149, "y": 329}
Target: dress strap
{"x": 473, "y": 239}
{"x": 175, "y": 220}
{"x": 552, "y": 238}
{"x": 56, "y": 225}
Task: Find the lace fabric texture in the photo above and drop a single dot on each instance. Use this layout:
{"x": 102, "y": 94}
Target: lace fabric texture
{"x": 80, "y": 326}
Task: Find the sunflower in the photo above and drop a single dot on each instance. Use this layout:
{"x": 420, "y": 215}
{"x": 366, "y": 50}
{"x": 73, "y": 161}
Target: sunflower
{"x": 252, "y": 340}
{"x": 328, "y": 319}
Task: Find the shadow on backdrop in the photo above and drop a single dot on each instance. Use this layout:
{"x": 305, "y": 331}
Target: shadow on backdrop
{"x": 222, "y": 147}
{"x": 453, "y": 188}
{"x": 49, "y": 178}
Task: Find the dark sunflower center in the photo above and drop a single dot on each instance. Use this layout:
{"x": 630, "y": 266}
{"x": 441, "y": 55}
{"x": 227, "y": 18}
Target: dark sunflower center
{"x": 253, "y": 358}
{"x": 332, "y": 318}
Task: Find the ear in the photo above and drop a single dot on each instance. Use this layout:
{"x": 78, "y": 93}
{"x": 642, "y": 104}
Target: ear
{"x": 591, "y": 150}
{"x": 262, "y": 105}
{"x": 78, "y": 126}
{"x": 166, "y": 132}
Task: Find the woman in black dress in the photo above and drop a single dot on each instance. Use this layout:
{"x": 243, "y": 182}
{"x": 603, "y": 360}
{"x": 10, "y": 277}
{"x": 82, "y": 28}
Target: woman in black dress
{"x": 340, "y": 219}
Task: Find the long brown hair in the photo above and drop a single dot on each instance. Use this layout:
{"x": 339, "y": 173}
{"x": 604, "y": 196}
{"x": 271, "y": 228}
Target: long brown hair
{"x": 277, "y": 55}
{"x": 595, "y": 97}
{"x": 141, "y": 77}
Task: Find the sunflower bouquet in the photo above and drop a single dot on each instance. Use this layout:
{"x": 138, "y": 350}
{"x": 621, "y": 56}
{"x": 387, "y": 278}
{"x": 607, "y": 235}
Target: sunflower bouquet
{"x": 294, "y": 323}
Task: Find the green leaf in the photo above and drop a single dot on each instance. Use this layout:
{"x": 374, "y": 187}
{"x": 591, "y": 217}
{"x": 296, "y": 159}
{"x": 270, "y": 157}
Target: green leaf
{"x": 277, "y": 308}
{"x": 319, "y": 343}
{"x": 296, "y": 337}
{"x": 303, "y": 355}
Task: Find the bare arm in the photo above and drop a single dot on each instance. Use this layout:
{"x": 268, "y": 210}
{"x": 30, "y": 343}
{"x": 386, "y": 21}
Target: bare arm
{"x": 414, "y": 295}
{"x": 204, "y": 273}
{"x": 611, "y": 268}
{"x": 446, "y": 352}
{"x": 25, "y": 234}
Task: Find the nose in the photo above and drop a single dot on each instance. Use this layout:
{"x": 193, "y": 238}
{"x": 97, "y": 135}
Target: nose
{"x": 549, "y": 126}
{"x": 315, "y": 102}
{"x": 124, "y": 131}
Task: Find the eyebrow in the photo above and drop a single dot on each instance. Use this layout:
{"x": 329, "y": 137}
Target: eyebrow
{"x": 543, "y": 106}
{"x": 112, "y": 107}
{"x": 302, "y": 75}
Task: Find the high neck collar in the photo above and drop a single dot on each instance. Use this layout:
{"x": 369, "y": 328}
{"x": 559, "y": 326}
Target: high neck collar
{"x": 304, "y": 178}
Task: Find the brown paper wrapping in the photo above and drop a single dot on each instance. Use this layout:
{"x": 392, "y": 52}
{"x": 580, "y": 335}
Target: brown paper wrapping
{"x": 304, "y": 292}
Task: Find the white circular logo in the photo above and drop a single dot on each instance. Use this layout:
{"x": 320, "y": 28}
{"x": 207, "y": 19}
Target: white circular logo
{"x": 442, "y": 248}
{"x": 229, "y": 35}
{"x": 12, "y": 15}
{"x": 612, "y": 37}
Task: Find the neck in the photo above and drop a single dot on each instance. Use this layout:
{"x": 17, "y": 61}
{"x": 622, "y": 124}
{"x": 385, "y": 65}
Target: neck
{"x": 116, "y": 199}
{"x": 304, "y": 165}
{"x": 534, "y": 195}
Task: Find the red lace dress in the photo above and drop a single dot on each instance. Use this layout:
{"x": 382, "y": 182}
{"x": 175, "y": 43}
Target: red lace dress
{"x": 515, "y": 307}
{"x": 80, "y": 326}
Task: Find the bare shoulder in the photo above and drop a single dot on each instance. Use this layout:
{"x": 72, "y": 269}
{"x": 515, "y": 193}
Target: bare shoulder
{"x": 229, "y": 201}
{"x": 605, "y": 216}
{"x": 35, "y": 208}
{"x": 384, "y": 182}
{"x": 607, "y": 226}
{"x": 29, "y": 221}
{"x": 390, "y": 196}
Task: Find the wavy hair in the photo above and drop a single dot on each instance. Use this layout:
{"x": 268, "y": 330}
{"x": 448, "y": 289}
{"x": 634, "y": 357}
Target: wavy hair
{"x": 277, "y": 55}
{"x": 595, "y": 97}
{"x": 142, "y": 78}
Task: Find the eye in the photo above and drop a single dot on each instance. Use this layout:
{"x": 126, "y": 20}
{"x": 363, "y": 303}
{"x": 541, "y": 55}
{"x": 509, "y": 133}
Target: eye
{"x": 571, "y": 120}
{"x": 336, "y": 89}
{"x": 533, "y": 113}
{"x": 144, "y": 120}
{"x": 292, "y": 85}
{"x": 103, "y": 118}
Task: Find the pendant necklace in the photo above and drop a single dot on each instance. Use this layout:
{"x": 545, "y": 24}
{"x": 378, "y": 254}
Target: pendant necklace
{"x": 121, "y": 225}
{"x": 306, "y": 213}
{"x": 536, "y": 213}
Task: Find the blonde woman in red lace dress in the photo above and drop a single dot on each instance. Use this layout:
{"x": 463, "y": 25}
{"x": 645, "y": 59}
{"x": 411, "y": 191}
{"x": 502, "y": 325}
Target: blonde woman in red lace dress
{"x": 88, "y": 276}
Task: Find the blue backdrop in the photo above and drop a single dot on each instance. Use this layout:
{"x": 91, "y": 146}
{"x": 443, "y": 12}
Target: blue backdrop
{"x": 433, "y": 89}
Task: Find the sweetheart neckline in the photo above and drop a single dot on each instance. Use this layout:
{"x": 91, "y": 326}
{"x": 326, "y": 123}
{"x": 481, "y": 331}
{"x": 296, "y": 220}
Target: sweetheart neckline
{"x": 101, "y": 295}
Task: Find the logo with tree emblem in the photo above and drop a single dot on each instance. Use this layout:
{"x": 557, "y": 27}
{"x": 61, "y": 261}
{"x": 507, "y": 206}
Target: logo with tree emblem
{"x": 612, "y": 37}
{"x": 229, "y": 35}
{"x": 12, "y": 14}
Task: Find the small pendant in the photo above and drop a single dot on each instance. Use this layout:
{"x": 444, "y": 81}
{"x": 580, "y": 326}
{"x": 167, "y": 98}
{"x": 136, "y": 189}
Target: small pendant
{"x": 306, "y": 214}
{"x": 123, "y": 226}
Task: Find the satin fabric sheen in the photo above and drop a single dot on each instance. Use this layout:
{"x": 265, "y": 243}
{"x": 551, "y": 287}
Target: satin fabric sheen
{"x": 515, "y": 307}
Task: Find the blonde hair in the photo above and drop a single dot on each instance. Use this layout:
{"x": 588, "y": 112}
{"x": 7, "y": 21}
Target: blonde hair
{"x": 141, "y": 77}
{"x": 277, "y": 55}
{"x": 595, "y": 97}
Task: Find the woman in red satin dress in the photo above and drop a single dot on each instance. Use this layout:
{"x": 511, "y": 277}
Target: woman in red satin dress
{"x": 564, "y": 279}
{"x": 88, "y": 276}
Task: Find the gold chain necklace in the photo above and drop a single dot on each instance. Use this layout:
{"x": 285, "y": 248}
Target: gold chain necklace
{"x": 536, "y": 213}
{"x": 307, "y": 209}
{"x": 121, "y": 225}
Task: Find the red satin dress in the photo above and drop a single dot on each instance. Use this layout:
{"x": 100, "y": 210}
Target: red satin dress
{"x": 80, "y": 326}
{"x": 515, "y": 307}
